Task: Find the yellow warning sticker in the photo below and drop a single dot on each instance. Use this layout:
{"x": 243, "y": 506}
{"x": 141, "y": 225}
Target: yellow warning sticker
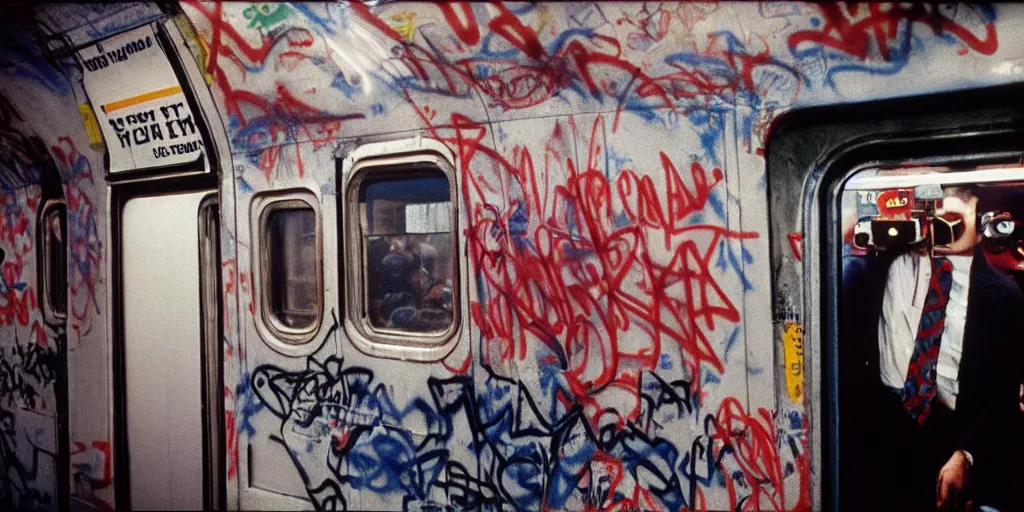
{"x": 203, "y": 59}
{"x": 92, "y": 127}
{"x": 793, "y": 340}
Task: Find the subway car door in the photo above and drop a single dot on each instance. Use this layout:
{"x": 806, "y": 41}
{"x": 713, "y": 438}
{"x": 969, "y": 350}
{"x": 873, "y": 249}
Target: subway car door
{"x": 167, "y": 355}
{"x": 908, "y": 265}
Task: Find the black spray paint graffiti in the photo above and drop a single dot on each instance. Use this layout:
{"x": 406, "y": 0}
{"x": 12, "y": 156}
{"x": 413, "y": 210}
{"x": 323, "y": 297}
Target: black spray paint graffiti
{"x": 342, "y": 420}
{"x": 24, "y": 372}
{"x": 17, "y": 490}
{"x": 23, "y": 156}
{"x": 27, "y": 373}
{"x": 344, "y": 433}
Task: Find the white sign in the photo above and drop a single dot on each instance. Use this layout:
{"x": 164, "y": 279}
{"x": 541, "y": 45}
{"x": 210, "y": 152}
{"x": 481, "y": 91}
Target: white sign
{"x": 139, "y": 103}
{"x": 428, "y": 217}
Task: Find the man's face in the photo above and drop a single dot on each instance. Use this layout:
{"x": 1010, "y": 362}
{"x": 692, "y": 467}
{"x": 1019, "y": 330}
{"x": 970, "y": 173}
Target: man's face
{"x": 962, "y": 207}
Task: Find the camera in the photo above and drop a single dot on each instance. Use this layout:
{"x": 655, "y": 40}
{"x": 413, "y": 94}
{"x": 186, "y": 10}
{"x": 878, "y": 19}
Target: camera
{"x": 906, "y": 219}
{"x": 899, "y": 224}
{"x": 1000, "y": 232}
{"x": 874, "y": 233}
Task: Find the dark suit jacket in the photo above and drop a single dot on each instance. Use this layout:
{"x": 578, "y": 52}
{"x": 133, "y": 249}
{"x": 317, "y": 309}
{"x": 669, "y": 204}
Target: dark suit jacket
{"x": 986, "y": 420}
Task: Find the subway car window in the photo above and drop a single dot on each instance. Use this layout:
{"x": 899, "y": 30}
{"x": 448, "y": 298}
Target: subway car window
{"x": 932, "y": 315}
{"x": 54, "y": 260}
{"x": 409, "y": 261}
{"x": 291, "y": 277}
{"x": 292, "y": 237}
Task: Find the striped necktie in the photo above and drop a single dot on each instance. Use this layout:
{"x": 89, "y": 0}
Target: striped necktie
{"x": 919, "y": 389}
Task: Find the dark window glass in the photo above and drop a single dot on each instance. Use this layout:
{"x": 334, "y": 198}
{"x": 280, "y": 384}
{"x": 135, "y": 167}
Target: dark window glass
{"x": 292, "y": 272}
{"x": 408, "y": 252}
{"x": 55, "y": 260}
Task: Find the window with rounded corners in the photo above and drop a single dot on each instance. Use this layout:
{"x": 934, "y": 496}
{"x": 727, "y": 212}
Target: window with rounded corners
{"x": 53, "y": 259}
{"x": 288, "y": 268}
{"x": 402, "y": 258}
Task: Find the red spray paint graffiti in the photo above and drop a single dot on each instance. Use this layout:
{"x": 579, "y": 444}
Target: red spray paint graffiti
{"x": 568, "y": 261}
{"x": 853, "y": 27}
{"x": 17, "y": 295}
{"x": 267, "y": 122}
{"x": 796, "y": 241}
{"x": 85, "y": 248}
{"x": 92, "y": 471}
{"x": 586, "y": 281}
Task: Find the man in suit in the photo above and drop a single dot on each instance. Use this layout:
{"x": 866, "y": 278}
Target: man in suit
{"x": 929, "y": 374}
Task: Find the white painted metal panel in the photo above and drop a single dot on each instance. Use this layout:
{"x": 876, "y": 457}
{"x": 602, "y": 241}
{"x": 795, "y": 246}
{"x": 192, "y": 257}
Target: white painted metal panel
{"x": 163, "y": 364}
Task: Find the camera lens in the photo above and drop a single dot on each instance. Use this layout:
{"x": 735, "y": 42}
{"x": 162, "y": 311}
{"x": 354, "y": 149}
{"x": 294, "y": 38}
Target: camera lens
{"x": 946, "y": 231}
{"x": 893, "y": 233}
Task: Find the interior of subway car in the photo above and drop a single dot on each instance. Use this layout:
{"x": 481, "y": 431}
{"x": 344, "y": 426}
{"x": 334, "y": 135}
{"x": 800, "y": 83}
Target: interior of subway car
{"x": 915, "y": 196}
{"x": 935, "y": 212}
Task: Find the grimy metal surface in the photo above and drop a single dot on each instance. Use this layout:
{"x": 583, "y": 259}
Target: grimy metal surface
{"x": 621, "y": 342}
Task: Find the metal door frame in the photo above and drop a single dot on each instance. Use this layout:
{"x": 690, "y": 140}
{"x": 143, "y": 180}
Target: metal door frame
{"x": 809, "y": 155}
{"x": 119, "y": 196}
{"x": 52, "y": 191}
{"x": 214, "y": 454}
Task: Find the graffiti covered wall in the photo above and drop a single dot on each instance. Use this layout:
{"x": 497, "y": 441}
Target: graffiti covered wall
{"x": 620, "y": 350}
{"x": 43, "y": 138}
{"x": 28, "y": 365}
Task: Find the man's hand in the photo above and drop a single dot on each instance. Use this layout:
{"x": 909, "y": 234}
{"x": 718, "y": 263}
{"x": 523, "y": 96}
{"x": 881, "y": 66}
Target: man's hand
{"x": 951, "y": 482}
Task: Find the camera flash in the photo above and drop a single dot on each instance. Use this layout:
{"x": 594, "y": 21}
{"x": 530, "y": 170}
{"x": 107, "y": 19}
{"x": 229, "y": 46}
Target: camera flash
{"x": 893, "y": 232}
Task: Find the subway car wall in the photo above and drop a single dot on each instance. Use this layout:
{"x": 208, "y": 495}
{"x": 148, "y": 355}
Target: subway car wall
{"x": 499, "y": 256}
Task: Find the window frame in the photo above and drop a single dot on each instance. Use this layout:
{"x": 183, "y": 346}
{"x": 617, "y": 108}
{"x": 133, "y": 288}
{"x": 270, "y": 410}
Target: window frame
{"x": 51, "y": 207}
{"x": 291, "y": 341}
{"x": 392, "y": 160}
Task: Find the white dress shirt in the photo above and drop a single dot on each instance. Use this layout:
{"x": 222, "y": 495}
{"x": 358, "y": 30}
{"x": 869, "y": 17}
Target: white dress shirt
{"x": 905, "y": 294}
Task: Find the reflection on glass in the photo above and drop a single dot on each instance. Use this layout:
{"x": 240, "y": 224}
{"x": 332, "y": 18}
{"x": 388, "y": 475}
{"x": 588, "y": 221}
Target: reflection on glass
{"x": 410, "y": 268}
{"x": 292, "y": 266}
{"x": 56, "y": 261}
